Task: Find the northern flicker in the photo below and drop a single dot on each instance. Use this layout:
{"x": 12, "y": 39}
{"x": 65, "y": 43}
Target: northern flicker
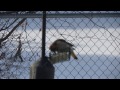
{"x": 60, "y": 45}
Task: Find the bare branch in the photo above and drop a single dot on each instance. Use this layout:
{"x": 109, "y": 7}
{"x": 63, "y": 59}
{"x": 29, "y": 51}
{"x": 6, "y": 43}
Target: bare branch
{"x": 18, "y": 53}
{"x": 1, "y": 40}
{"x": 9, "y": 25}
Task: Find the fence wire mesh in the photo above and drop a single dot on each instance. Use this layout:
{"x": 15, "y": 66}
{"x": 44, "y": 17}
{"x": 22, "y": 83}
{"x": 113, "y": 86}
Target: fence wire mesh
{"x": 96, "y": 41}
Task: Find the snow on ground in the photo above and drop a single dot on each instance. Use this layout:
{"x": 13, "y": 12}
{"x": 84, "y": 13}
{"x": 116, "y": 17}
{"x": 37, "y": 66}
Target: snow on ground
{"x": 97, "y": 51}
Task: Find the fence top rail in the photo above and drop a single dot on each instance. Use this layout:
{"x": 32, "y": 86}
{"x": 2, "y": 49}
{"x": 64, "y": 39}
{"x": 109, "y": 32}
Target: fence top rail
{"x": 66, "y": 15}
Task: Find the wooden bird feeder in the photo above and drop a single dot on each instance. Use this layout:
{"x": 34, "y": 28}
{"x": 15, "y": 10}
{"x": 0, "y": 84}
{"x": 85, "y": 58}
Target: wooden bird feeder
{"x": 59, "y": 57}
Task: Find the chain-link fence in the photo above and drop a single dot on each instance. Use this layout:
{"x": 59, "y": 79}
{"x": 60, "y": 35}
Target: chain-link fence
{"x": 94, "y": 34}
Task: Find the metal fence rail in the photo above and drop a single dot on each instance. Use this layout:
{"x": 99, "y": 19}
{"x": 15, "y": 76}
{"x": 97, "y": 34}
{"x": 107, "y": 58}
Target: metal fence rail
{"x": 95, "y": 35}
{"x": 57, "y": 15}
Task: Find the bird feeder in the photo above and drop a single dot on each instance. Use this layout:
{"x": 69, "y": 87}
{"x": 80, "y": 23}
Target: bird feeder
{"x": 59, "y": 57}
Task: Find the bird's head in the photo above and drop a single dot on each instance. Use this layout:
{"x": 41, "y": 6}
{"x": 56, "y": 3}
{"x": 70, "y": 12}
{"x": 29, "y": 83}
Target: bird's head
{"x": 53, "y": 47}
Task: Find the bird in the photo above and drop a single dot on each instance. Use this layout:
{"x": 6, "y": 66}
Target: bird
{"x": 60, "y": 46}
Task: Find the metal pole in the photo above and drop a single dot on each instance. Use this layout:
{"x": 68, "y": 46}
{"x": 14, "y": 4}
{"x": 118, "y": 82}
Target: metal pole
{"x": 43, "y": 34}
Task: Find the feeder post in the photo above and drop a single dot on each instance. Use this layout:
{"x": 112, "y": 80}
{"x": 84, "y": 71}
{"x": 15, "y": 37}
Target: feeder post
{"x": 43, "y": 33}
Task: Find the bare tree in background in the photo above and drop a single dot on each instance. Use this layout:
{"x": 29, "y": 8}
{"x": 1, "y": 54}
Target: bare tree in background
{"x": 9, "y": 55}
{"x": 12, "y": 57}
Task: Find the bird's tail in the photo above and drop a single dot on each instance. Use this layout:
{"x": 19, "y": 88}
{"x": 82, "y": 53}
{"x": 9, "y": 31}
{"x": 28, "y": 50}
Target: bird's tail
{"x": 73, "y": 55}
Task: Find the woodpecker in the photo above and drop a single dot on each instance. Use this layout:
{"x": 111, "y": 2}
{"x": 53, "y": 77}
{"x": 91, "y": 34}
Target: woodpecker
{"x": 60, "y": 45}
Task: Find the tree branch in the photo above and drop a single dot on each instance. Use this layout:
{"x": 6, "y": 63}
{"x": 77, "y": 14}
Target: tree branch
{"x": 1, "y": 40}
{"x": 18, "y": 53}
{"x": 9, "y": 25}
